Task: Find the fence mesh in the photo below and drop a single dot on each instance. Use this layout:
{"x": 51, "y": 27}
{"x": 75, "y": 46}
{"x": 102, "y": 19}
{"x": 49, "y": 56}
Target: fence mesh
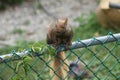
{"x": 83, "y": 61}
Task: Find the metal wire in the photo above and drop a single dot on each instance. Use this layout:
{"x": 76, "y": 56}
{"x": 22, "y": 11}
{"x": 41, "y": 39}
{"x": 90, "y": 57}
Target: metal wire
{"x": 100, "y": 58}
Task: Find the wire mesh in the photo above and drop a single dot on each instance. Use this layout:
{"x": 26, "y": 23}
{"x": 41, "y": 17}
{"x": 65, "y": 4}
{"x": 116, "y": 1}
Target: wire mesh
{"x": 90, "y": 59}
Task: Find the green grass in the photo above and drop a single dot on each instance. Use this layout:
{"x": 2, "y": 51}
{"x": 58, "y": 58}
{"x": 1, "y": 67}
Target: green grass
{"x": 89, "y": 27}
{"x": 101, "y": 58}
{"x": 27, "y": 22}
{"x": 21, "y": 45}
{"x": 4, "y": 4}
{"x": 18, "y": 31}
{"x": 95, "y": 57}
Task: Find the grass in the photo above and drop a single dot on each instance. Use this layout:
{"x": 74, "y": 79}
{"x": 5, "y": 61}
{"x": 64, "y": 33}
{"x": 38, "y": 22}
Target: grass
{"x": 89, "y": 27}
{"x": 7, "y": 3}
{"x": 21, "y": 45}
{"x": 27, "y": 22}
{"x": 18, "y": 31}
{"x": 101, "y": 59}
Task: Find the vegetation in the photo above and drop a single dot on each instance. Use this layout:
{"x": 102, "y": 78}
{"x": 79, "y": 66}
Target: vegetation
{"x": 17, "y": 31}
{"x": 89, "y": 27}
{"x": 101, "y": 58}
{"x": 95, "y": 58}
{"x": 6, "y": 3}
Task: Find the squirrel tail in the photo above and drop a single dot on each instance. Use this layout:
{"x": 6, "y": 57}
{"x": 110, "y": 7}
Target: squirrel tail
{"x": 59, "y": 67}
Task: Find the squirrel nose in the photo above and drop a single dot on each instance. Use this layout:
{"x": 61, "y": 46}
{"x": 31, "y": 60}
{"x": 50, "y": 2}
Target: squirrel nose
{"x": 62, "y": 26}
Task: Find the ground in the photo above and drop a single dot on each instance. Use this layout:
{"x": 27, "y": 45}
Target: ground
{"x": 28, "y": 22}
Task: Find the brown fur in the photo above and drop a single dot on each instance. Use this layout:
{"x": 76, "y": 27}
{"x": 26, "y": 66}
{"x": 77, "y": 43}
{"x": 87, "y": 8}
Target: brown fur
{"x": 59, "y": 33}
{"x": 108, "y": 17}
{"x": 60, "y": 68}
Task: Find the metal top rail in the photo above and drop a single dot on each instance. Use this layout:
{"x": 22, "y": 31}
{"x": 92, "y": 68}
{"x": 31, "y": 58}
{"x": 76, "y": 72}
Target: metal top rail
{"x": 114, "y": 5}
{"x": 96, "y": 41}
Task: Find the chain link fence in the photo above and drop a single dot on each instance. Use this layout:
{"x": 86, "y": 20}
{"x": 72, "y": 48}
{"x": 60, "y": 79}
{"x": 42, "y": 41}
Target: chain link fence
{"x": 90, "y": 59}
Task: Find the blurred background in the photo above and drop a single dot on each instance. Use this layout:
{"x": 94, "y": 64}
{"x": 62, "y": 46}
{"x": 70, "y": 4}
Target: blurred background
{"x": 25, "y": 22}
{"x": 29, "y": 19}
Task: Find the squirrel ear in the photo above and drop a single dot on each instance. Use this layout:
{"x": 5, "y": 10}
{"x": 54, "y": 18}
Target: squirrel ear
{"x": 64, "y": 21}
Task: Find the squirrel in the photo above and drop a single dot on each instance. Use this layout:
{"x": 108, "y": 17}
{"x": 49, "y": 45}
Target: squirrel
{"x": 77, "y": 71}
{"x": 106, "y": 16}
{"x": 59, "y": 33}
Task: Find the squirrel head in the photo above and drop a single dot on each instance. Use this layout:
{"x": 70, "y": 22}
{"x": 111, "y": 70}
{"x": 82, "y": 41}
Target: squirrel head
{"x": 61, "y": 24}
{"x": 62, "y": 21}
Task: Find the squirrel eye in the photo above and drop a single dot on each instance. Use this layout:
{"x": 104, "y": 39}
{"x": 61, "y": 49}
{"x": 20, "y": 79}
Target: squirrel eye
{"x": 62, "y": 26}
